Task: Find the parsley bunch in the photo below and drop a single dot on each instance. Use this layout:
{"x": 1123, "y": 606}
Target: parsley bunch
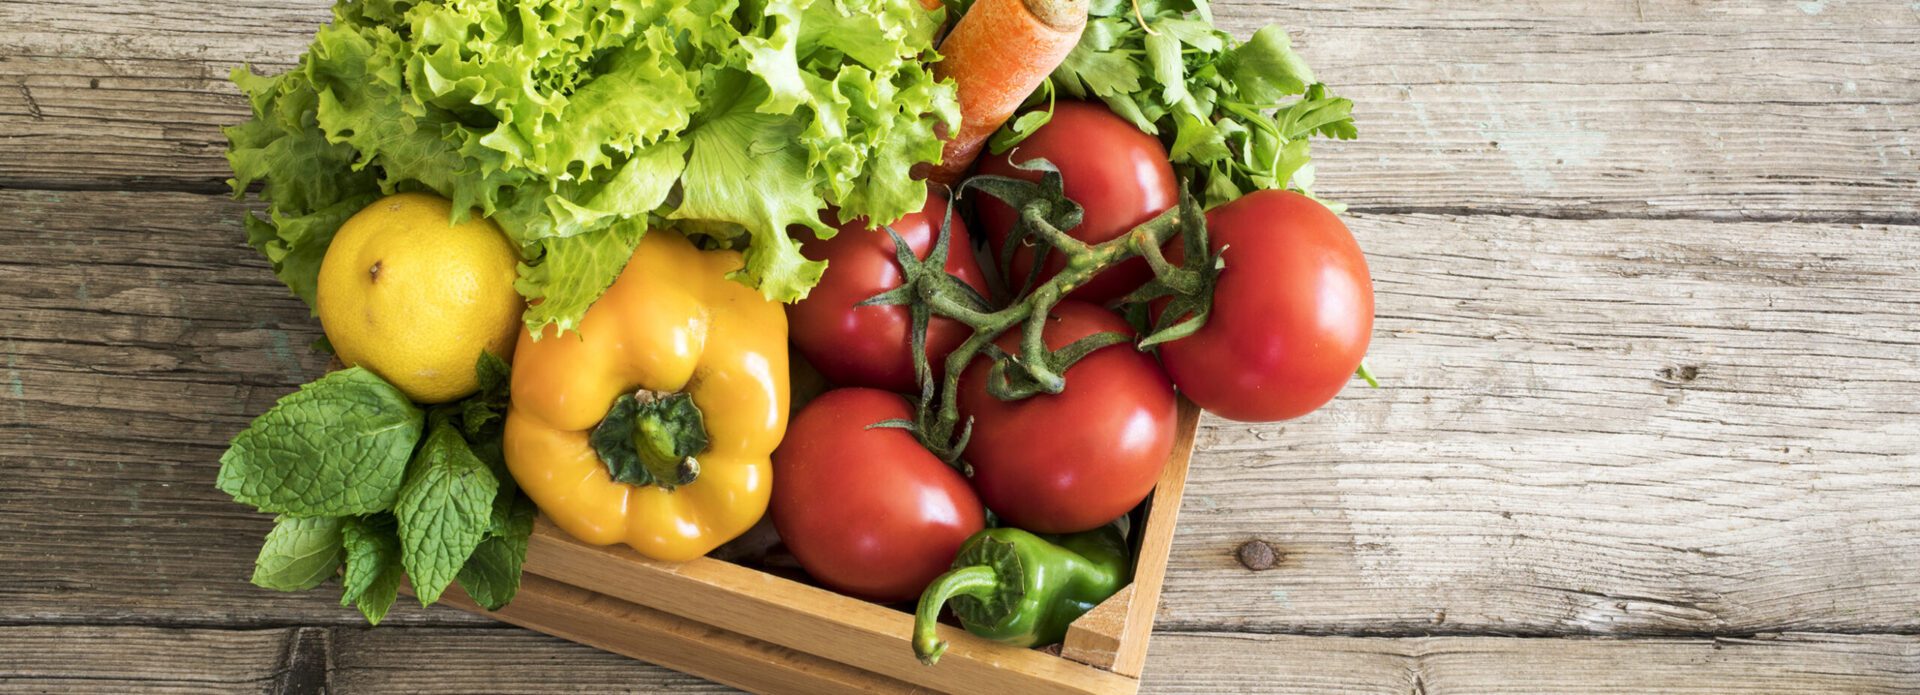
{"x": 1236, "y": 116}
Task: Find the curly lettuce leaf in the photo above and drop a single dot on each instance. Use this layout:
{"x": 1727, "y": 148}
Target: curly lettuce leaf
{"x": 574, "y": 124}
{"x": 572, "y": 271}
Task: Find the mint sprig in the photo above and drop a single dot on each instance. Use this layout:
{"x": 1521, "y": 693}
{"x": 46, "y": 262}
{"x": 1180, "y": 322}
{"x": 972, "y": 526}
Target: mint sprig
{"x": 362, "y": 497}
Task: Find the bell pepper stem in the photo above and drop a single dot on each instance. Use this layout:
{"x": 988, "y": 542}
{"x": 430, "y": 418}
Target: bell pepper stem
{"x": 662, "y": 438}
{"x": 978, "y": 581}
{"x": 651, "y": 438}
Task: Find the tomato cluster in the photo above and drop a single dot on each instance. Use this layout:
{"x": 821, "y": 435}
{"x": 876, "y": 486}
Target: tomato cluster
{"x": 870, "y": 511}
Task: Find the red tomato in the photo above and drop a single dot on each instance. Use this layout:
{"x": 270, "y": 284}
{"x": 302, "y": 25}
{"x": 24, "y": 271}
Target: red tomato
{"x": 868, "y": 512}
{"x": 868, "y": 346}
{"x": 1071, "y": 461}
{"x": 1291, "y": 314}
{"x": 1119, "y": 175}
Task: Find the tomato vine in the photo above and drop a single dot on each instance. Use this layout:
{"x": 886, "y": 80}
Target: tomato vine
{"x": 1044, "y": 214}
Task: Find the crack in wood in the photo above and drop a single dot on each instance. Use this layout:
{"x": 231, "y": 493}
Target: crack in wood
{"x": 306, "y": 664}
{"x": 33, "y": 107}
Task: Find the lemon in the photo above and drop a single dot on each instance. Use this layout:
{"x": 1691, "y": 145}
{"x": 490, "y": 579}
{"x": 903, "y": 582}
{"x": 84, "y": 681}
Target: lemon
{"x": 415, "y": 299}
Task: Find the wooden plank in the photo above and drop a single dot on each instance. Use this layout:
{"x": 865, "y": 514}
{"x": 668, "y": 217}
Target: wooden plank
{"x": 1724, "y": 109}
{"x": 123, "y": 659}
{"x": 668, "y": 640}
{"x": 1623, "y": 427}
{"x": 131, "y": 659}
{"x": 1769, "y": 664}
{"x": 1600, "y": 428}
{"x": 126, "y": 367}
{"x": 1734, "y": 109}
{"x": 1095, "y": 638}
{"x": 85, "y": 659}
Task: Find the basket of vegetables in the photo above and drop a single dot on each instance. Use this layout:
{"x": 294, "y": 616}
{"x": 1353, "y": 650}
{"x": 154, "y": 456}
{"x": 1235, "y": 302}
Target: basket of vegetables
{"x": 805, "y": 345}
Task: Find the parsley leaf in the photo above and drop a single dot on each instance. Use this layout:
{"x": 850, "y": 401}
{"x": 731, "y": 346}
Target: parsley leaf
{"x": 1236, "y": 117}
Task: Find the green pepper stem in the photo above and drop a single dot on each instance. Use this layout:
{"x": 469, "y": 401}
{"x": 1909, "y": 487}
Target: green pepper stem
{"x": 978, "y": 581}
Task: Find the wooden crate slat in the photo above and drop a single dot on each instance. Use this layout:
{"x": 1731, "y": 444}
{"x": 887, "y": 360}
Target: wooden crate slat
{"x": 632, "y": 630}
{"x": 608, "y": 596}
{"x": 782, "y": 611}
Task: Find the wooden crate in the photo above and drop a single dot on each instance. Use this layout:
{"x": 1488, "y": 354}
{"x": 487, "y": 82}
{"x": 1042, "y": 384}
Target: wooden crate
{"x": 766, "y": 633}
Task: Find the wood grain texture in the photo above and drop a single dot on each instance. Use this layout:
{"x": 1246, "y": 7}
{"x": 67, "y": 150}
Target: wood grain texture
{"x": 1789, "y": 663}
{"x": 1620, "y": 427}
{"x": 69, "y": 659}
{"x": 350, "y": 661}
{"x": 313, "y": 661}
{"x": 126, "y": 368}
{"x": 1605, "y": 427}
{"x": 1622, "y": 108}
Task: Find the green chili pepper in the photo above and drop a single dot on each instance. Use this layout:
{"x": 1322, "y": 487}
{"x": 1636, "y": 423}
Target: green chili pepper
{"x": 1015, "y": 587}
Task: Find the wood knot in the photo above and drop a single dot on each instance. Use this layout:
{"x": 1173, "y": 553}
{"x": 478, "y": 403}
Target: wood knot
{"x": 1680, "y": 374}
{"x": 1258, "y": 555}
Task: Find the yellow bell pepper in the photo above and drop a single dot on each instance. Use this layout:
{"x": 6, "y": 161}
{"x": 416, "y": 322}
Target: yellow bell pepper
{"x": 671, "y": 324}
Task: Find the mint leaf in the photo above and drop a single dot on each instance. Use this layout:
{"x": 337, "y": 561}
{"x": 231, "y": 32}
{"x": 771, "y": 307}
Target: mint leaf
{"x": 299, "y": 554}
{"x": 373, "y": 574}
{"x": 336, "y": 447}
{"x": 444, "y": 510}
{"x": 492, "y": 575}
{"x": 485, "y": 408}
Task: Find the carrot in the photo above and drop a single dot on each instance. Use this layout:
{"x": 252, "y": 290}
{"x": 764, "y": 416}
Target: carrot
{"x": 997, "y": 54}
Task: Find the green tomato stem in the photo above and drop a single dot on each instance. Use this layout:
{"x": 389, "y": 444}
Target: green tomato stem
{"x": 944, "y": 295}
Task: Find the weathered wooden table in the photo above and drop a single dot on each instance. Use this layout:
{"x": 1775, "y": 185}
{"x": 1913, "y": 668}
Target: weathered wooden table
{"x": 1649, "y": 314}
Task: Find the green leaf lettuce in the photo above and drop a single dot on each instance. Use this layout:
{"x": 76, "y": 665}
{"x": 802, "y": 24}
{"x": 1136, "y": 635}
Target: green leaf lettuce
{"x": 576, "y": 125}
